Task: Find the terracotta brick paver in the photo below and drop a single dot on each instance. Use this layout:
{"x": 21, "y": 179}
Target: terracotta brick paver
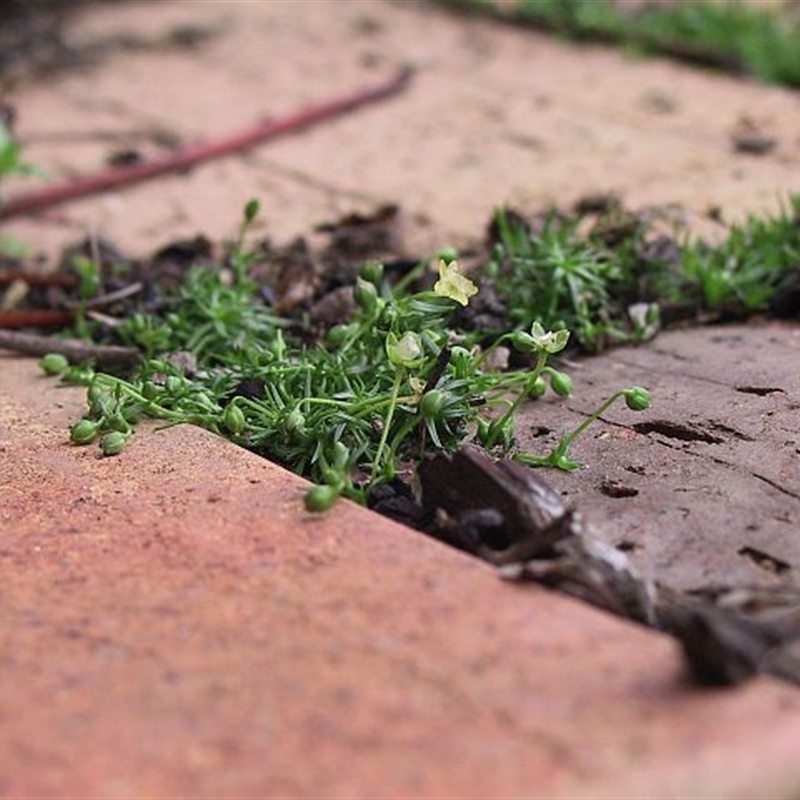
{"x": 173, "y": 624}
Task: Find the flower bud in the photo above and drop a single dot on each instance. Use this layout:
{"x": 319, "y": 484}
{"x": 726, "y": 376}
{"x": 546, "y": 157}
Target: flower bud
{"x": 113, "y": 443}
{"x": 84, "y": 432}
{"x": 341, "y": 456}
{"x": 95, "y": 390}
{"x": 523, "y": 341}
{"x": 233, "y": 419}
{"x": 339, "y": 334}
{"x": 637, "y": 398}
{"x": 54, "y": 364}
{"x": 405, "y": 351}
{"x": 432, "y": 403}
{"x": 101, "y": 400}
{"x": 561, "y": 383}
{"x": 295, "y": 421}
{"x": 499, "y": 431}
{"x": 251, "y": 210}
{"x": 320, "y": 498}
{"x": 366, "y": 295}
{"x": 372, "y": 271}
{"x": 463, "y": 362}
{"x": 536, "y": 388}
{"x": 278, "y": 345}
{"x": 447, "y": 254}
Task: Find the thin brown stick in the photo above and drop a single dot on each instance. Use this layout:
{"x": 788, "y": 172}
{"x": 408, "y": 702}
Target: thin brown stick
{"x": 106, "y": 299}
{"x": 74, "y": 350}
{"x": 184, "y": 159}
{"x": 36, "y": 318}
{"x": 62, "y": 279}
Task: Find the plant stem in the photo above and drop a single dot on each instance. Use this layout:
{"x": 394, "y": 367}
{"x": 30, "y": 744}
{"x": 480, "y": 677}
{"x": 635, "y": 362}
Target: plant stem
{"x": 398, "y": 379}
{"x": 153, "y": 408}
{"x": 570, "y": 437}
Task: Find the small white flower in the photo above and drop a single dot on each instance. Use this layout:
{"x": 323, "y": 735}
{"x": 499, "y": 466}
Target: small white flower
{"x": 453, "y": 284}
{"x": 549, "y": 341}
{"x": 406, "y": 351}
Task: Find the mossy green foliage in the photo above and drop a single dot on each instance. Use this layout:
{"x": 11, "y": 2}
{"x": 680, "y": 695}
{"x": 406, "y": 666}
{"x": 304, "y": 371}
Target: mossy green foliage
{"x": 747, "y": 38}
{"x": 609, "y": 281}
{"x": 396, "y": 381}
{"x": 742, "y": 275}
{"x": 410, "y": 372}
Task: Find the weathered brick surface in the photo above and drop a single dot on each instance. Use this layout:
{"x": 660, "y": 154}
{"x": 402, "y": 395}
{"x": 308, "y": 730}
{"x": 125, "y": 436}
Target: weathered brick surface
{"x": 174, "y": 624}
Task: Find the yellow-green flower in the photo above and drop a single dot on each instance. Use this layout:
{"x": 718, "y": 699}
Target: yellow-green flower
{"x": 406, "y": 351}
{"x": 453, "y": 284}
{"x": 549, "y": 341}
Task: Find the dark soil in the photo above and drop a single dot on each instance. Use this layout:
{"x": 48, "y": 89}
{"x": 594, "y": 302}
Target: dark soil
{"x": 32, "y": 38}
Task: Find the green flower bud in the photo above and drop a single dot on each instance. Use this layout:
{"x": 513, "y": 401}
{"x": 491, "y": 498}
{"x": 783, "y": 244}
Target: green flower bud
{"x": 278, "y": 345}
{"x": 499, "y": 431}
{"x": 372, "y": 271}
{"x": 320, "y": 498}
{"x": 78, "y": 376}
{"x": 250, "y": 210}
{"x": 339, "y": 334}
{"x": 637, "y": 398}
{"x": 101, "y": 401}
{"x": 561, "y": 383}
{"x": 536, "y": 388}
{"x": 295, "y": 421}
{"x": 95, "y": 390}
{"x": 233, "y": 419}
{"x": 366, "y": 295}
{"x": 84, "y": 432}
{"x": 432, "y": 403}
{"x": 341, "y": 456}
{"x": 54, "y": 364}
{"x": 113, "y": 443}
{"x": 447, "y": 254}
{"x": 524, "y": 342}
{"x": 463, "y": 362}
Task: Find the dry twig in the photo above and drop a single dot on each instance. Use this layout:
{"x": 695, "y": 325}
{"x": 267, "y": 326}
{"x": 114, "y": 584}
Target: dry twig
{"x": 183, "y": 159}
{"x": 74, "y": 350}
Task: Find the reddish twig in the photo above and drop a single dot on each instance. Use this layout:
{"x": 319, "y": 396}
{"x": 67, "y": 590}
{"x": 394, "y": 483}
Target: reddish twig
{"x": 36, "y": 318}
{"x": 188, "y": 157}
